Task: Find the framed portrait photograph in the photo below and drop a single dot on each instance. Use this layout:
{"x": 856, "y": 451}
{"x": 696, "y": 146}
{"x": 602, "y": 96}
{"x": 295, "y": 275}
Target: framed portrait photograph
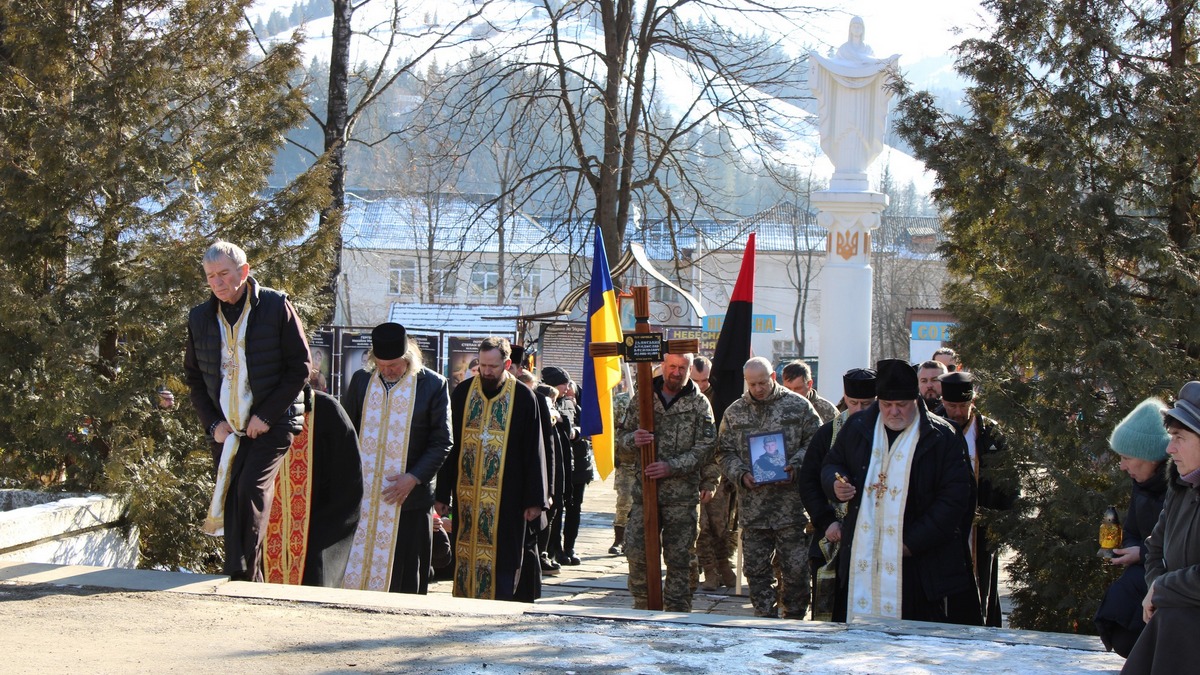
{"x": 768, "y": 457}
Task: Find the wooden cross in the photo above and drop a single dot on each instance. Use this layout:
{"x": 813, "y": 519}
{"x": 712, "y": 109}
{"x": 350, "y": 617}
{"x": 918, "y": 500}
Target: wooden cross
{"x": 645, "y": 348}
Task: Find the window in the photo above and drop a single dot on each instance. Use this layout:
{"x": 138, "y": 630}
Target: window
{"x": 661, "y": 292}
{"x": 445, "y": 281}
{"x": 785, "y": 349}
{"x": 485, "y": 278}
{"x": 529, "y": 285}
{"x": 402, "y": 277}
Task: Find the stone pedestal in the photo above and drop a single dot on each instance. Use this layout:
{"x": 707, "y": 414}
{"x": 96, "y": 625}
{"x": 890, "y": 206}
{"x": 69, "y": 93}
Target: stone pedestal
{"x": 846, "y": 283}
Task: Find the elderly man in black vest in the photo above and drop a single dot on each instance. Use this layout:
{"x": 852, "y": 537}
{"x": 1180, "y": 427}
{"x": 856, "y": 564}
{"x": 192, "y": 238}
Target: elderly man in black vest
{"x": 246, "y": 363}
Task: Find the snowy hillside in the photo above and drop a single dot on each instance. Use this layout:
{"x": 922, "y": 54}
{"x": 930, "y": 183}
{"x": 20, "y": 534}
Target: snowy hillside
{"x": 516, "y": 29}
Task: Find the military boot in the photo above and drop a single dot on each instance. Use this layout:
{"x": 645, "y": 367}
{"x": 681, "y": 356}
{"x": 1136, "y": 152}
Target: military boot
{"x": 728, "y": 576}
{"x": 618, "y": 546}
{"x": 712, "y": 578}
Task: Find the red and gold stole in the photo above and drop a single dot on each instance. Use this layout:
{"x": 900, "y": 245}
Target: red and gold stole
{"x": 287, "y": 531}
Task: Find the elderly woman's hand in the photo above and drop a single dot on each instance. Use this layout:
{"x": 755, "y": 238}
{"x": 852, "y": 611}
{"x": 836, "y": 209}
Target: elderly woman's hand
{"x": 1148, "y": 605}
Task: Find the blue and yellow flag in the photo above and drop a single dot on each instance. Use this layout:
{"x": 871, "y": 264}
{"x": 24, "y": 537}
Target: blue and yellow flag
{"x": 600, "y": 374}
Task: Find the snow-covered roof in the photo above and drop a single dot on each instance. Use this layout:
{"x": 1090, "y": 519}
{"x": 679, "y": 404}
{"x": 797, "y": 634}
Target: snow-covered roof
{"x": 467, "y": 224}
{"x": 459, "y": 223}
{"x": 458, "y": 319}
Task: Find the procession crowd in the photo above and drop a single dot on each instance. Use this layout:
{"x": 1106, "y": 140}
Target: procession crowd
{"x": 868, "y": 508}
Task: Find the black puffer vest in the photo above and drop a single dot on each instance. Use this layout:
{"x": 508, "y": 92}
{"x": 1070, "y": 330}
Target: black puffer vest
{"x": 263, "y": 356}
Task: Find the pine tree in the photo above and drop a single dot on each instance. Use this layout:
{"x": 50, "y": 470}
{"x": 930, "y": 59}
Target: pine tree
{"x": 132, "y": 134}
{"x": 1071, "y": 189}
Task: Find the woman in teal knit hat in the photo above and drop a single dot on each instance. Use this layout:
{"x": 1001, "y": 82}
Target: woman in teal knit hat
{"x": 1141, "y": 441}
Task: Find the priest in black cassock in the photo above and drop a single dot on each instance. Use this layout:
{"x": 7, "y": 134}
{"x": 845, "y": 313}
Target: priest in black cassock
{"x": 402, "y": 412}
{"x": 494, "y": 481}
{"x": 317, "y": 496}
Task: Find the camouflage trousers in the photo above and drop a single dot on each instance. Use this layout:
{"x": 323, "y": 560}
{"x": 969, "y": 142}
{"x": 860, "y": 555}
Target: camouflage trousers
{"x": 678, "y": 524}
{"x": 789, "y": 547}
{"x": 623, "y": 480}
{"x": 718, "y": 529}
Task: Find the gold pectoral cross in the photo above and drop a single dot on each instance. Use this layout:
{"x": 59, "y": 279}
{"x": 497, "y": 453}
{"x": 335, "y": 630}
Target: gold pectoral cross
{"x": 880, "y": 487}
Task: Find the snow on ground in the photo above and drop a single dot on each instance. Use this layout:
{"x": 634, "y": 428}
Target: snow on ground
{"x": 600, "y": 646}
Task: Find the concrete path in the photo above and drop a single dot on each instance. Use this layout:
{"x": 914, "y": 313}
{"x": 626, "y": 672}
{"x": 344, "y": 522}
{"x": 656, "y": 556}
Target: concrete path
{"x": 80, "y": 619}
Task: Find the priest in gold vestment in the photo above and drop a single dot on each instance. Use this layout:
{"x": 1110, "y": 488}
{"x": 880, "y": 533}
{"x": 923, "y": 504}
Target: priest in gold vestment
{"x": 494, "y": 482}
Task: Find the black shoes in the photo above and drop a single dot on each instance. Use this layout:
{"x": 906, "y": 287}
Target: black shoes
{"x": 567, "y": 558}
{"x": 549, "y": 567}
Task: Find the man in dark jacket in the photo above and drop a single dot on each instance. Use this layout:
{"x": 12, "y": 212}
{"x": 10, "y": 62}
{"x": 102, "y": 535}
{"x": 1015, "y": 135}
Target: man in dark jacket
{"x": 986, "y": 451}
{"x": 904, "y": 473}
{"x": 246, "y": 363}
{"x": 402, "y": 413}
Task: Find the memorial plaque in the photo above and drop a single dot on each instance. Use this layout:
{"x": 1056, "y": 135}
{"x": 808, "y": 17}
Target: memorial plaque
{"x": 644, "y": 347}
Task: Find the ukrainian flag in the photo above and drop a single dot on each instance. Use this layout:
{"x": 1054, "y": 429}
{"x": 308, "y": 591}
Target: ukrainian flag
{"x": 600, "y": 374}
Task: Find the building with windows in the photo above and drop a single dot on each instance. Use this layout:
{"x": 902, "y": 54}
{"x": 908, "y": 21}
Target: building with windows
{"x": 465, "y": 250}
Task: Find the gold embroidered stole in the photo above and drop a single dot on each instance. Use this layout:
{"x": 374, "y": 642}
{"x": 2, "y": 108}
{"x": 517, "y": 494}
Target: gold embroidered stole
{"x": 236, "y": 401}
{"x": 286, "y": 545}
{"x": 838, "y": 420}
{"x": 485, "y": 428}
{"x": 383, "y": 445}
{"x": 876, "y": 565}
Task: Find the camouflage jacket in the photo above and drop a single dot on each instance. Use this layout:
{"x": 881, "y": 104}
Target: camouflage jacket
{"x": 684, "y": 437}
{"x": 826, "y": 410}
{"x": 771, "y": 505}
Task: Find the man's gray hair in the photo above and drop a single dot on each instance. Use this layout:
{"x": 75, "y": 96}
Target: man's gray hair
{"x": 758, "y": 363}
{"x": 224, "y": 249}
{"x": 413, "y": 355}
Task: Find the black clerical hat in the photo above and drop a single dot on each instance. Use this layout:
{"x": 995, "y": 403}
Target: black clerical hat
{"x": 958, "y": 387}
{"x": 859, "y": 383}
{"x": 389, "y": 341}
{"x": 896, "y": 381}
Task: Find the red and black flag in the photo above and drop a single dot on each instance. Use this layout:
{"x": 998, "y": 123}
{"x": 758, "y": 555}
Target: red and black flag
{"x": 733, "y": 345}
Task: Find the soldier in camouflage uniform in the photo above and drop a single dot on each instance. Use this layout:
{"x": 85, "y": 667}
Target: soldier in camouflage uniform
{"x": 718, "y": 516}
{"x": 797, "y": 376}
{"x": 624, "y": 476}
{"x": 771, "y": 515}
{"x": 685, "y": 440}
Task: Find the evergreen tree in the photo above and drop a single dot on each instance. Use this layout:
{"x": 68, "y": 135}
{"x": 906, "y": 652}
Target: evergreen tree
{"x": 1071, "y": 189}
{"x": 132, "y": 134}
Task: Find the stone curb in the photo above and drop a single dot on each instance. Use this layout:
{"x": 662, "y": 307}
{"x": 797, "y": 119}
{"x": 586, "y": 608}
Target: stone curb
{"x": 201, "y": 584}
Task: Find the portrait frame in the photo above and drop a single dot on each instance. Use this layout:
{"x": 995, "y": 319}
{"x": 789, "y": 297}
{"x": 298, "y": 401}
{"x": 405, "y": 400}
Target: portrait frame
{"x": 758, "y": 449}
